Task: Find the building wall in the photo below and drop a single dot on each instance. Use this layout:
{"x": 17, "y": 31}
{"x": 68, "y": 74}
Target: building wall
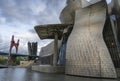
{"x": 87, "y": 53}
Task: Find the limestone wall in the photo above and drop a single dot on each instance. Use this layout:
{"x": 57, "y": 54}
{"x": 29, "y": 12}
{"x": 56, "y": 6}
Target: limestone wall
{"x": 49, "y": 49}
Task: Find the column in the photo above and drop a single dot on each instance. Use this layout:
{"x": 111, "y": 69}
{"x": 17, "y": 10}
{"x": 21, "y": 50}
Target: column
{"x": 55, "y": 56}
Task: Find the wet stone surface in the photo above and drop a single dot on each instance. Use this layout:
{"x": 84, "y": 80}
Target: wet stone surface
{"x": 22, "y": 74}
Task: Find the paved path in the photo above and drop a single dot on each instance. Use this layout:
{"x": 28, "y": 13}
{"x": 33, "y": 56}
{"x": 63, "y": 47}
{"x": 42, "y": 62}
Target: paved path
{"x": 22, "y": 74}
{"x": 3, "y": 66}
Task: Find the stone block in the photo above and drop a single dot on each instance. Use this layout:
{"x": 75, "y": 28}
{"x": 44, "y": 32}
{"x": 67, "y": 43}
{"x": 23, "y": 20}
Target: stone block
{"x": 48, "y": 68}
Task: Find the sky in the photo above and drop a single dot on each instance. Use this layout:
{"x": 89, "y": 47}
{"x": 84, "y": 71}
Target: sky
{"x": 18, "y": 18}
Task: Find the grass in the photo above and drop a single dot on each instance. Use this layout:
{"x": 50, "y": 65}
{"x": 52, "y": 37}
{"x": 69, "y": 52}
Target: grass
{"x": 3, "y": 61}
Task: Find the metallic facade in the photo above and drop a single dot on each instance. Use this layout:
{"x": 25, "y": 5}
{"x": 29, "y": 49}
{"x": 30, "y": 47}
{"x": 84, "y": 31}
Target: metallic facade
{"x": 86, "y": 52}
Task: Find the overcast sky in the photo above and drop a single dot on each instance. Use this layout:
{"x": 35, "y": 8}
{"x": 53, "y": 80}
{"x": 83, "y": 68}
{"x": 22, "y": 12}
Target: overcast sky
{"x": 18, "y": 18}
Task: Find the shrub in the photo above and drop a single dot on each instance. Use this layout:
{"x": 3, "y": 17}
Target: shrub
{"x": 3, "y": 61}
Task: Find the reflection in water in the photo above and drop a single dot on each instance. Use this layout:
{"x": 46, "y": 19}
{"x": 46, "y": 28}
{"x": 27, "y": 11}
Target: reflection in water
{"x": 22, "y": 74}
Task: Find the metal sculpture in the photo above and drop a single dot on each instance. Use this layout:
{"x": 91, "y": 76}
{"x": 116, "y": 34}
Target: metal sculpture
{"x": 13, "y": 44}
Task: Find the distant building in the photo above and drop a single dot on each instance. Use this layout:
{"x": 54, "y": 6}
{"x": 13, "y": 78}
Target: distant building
{"x": 32, "y": 48}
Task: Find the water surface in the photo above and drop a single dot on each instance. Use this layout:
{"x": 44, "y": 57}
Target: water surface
{"x": 22, "y": 74}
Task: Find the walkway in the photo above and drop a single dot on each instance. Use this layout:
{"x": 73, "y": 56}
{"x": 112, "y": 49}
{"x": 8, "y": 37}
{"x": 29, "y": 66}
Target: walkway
{"x": 3, "y": 66}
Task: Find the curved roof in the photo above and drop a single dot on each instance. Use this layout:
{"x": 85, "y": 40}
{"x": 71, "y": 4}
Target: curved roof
{"x": 47, "y": 31}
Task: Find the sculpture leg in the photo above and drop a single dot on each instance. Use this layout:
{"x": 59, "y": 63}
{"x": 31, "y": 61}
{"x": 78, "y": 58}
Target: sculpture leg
{"x": 16, "y": 49}
{"x": 10, "y": 49}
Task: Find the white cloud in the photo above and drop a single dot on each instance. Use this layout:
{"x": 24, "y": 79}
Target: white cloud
{"x": 108, "y": 1}
{"x": 2, "y": 20}
{"x": 88, "y": 0}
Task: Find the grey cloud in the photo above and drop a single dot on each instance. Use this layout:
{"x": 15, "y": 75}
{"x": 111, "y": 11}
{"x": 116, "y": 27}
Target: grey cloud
{"x": 23, "y": 10}
{"x": 52, "y": 12}
{"x": 32, "y": 31}
{"x": 1, "y": 40}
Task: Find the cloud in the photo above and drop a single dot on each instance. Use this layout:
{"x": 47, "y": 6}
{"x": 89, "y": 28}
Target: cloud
{"x": 2, "y": 20}
{"x": 26, "y": 11}
{"x": 35, "y": 11}
{"x": 32, "y": 31}
{"x": 18, "y": 17}
{"x": 108, "y": 1}
{"x": 1, "y": 40}
{"x": 30, "y": 11}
